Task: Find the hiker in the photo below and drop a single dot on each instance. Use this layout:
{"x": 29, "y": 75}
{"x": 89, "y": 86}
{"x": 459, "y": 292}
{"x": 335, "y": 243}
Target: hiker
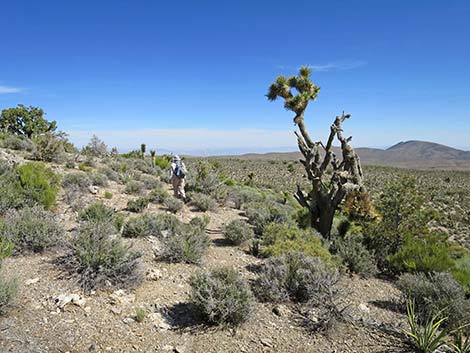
{"x": 177, "y": 173}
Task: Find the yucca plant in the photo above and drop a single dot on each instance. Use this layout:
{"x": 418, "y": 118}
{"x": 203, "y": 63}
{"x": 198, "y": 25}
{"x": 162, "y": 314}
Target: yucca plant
{"x": 460, "y": 345}
{"x": 6, "y": 248}
{"x": 426, "y": 339}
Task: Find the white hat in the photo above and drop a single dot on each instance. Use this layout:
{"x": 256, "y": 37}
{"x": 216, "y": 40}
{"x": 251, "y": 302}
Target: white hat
{"x": 176, "y": 158}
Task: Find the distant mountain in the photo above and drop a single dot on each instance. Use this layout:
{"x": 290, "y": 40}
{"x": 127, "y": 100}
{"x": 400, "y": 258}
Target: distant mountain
{"x": 408, "y": 154}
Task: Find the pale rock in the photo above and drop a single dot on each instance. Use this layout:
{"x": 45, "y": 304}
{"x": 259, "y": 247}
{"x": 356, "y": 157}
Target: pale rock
{"x": 153, "y": 274}
{"x": 63, "y": 299}
{"x": 120, "y": 297}
{"x": 93, "y": 189}
{"x": 363, "y": 307}
{"x": 128, "y": 320}
{"x": 159, "y": 321}
{"x": 32, "y": 281}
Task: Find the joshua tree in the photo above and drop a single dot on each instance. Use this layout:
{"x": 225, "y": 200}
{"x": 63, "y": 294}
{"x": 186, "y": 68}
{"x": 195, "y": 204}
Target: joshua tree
{"x": 152, "y": 155}
{"x": 332, "y": 179}
{"x": 143, "y": 148}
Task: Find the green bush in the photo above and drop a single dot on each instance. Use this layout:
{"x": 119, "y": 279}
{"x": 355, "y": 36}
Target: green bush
{"x": 12, "y": 195}
{"x": 244, "y": 194}
{"x": 187, "y": 244}
{"x": 150, "y": 182}
{"x": 137, "y": 205}
{"x": 78, "y": 179}
{"x": 49, "y": 148}
{"x": 8, "y": 290}
{"x": 293, "y": 276}
{"x": 279, "y": 239}
{"x": 162, "y": 162}
{"x": 98, "y": 212}
{"x": 99, "y": 179}
{"x": 151, "y": 225}
{"x": 6, "y": 248}
{"x": 238, "y": 231}
{"x": 108, "y": 195}
{"x": 99, "y": 257}
{"x": 260, "y": 214}
{"x": 221, "y": 296}
{"x": 173, "y": 205}
{"x": 133, "y": 187}
{"x": 109, "y": 173}
{"x": 355, "y": 255}
{"x": 203, "y": 202}
{"x": 403, "y": 211}
{"x": 427, "y": 253}
{"x": 18, "y": 143}
{"x": 31, "y": 228}
{"x": 39, "y": 183}
{"x": 158, "y": 195}
{"x": 436, "y": 293}
{"x": 8, "y": 287}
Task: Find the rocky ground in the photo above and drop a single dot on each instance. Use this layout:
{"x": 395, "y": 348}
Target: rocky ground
{"x": 53, "y": 314}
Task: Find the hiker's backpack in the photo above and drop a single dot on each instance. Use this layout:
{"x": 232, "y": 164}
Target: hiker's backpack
{"x": 180, "y": 171}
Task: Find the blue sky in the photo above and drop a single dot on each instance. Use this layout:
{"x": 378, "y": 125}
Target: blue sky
{"x": 191, "y": 75}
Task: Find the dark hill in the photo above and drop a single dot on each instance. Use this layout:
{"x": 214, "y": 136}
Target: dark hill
{"x": 409, "y": 154}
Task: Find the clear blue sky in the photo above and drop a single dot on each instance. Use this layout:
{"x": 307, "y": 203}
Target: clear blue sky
{"x": 193, "y": 74}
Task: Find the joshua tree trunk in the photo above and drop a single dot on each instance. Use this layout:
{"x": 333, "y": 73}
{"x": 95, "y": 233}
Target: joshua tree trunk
{"x": 332, "y": 180}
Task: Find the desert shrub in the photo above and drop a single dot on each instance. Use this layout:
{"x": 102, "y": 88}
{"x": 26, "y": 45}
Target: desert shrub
{"x": 8, "y": 287}
{"x": 8, "y": 290}
{"x": 293, "y": 276}
{"x": 76, "y": 179}
{"x": 221, "y": 296}
{"x": 243, "y": 194}
{"x": 84, "y": 167}
{"x": 143, "y": 166}
{"x": 260, "y": 214}
{"x": 31, "y": 228}
{"x": 203, "y": 178}
{"x": 11, "y": 195}
{"x": 49, "y": 148}
{"x": 173, "y": 205}
{"x": 70, "y": 164}
{"x": 436, "y": 293}
{"x": 108, "y": 195}
{"x": 279, "y": 239}
{"x": 461, "y": 271}
{"x": 158, "y": 195}
{"x": 160, "y": 225}
{"x": 355, "y": 255}
{"x": 203, "y": 202}
{"x": 18, "y": 143}
{"x": 162, "y": 162}
{"x": 110, "y": 173}
{"x": 403, "y": 212}
{"x": 136, "y": 227}
{"x": 133, "y": 187}
{"x": 38, "y": 183}
{"x": 150, "y": 182}
{"x": 99, "y": 257}
{"x": 98, "y": 179}
{"x": 187, "y": 244}
{"x": 6, "y": 248}
{"x": 97, "y": 212}
{"x": 427, "y": 253}
{"x": 200, "y": 222}
{"x": 238, "y": 231}
{"x": 95, "y": 148}
{"x": 137, "y": 205}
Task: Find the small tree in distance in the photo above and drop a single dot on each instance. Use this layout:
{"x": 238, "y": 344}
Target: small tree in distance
{"x": 332, "y": 180}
